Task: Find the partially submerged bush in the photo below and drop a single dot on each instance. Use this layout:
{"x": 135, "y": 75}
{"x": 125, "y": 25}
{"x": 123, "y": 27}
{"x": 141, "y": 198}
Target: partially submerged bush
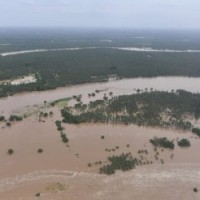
{"x": 37, "y": 195}
{"x": 40, "y": 150}
{"x": 184, "y": 143}
{"x": 15, "y": 118}
{"x": 196, "y": 131}
{"x": 45, "y": 115}
{"x": 122, "y": 162}
{"x": 162, "y": 142}
{"x": 195, "y": 189}
{"x": 8, "y": 124}
{"x": 69, "y": 118}
{"x": 64, "y": 138}
{"x": 59, "y": 125}
{"x": 2, "y": 118}
{"x": 10, "y": 151}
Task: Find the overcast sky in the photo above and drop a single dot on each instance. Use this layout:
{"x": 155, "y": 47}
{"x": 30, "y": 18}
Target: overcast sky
{"x": 101, "y": 13}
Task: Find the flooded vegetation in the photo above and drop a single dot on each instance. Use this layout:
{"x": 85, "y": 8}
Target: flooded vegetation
{"x": 61, "y": 96}
{"x": 122, "y": 162}
{"x": 133, "y": 126}
{"x": 157, "y": 109}
{"x": 89, "y": 148}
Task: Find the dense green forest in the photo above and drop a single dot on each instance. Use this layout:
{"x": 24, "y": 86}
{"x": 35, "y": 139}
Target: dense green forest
{"x": 59, "y": 68}
{"x": 54, "y": 69}
{"x": 161, "y": 109}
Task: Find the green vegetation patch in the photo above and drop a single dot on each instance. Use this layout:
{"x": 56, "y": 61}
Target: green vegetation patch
{"x": 64, "y": 137}
{"x": 70, "y": 118}
{"x": 61, "y": 68}
{"x": 162, "y": 142}
{"x": 196, "y": 131}
{"x": 59, "y": 125}
{"x": 40, "y": 150}
{"x": 153, "y": 108}
{"x": 10, "y": 151}
{"x": 184, "y": 143}
{"x": 122, "y": 162}
{"x": 15, "y": 118}
{"x": 2, "y": 118}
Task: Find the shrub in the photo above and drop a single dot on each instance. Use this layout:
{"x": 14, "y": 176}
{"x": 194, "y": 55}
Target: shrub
{"x": 89, "y": 164}
{"x": 37, "y": 195}
{"x": 8, "y": 124}
{"x": 110, "y": 93}
{"x": 59, "y": 126}
{"x": 162, "y": 142}
{"x": 184, "y": 143}
{"x": 45, "y": 115}
{"x": 195, "y": 189}
{"x": 64, "y": 138}
{"x": 196, "y": 131}
{"x": 40, "y": 150}
{"x": 15, "y": 118}
{"x": 53, "y": 104}
{"x": 10, "y": 151}
{"x": 2, "y": 118}
{"x": 69, "y": 118}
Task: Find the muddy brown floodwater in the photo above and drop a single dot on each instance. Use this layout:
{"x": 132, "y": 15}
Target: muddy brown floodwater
{"x": 62, "y": 171}
{"x": 26, "y": 172}
{"x": 118, "y": 87}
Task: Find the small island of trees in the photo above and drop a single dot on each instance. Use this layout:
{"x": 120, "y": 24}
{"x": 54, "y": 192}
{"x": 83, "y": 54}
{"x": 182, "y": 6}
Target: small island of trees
{"x": 122, "y": 162}
{"x": 155, "y": 108}
{"x": 162, "y": 142}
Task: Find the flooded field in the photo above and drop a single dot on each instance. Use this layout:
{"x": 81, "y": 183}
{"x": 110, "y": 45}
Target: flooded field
{"x": 62, "y": 171}
{"x": 144, "y": 183}
{"x": 118, "y": 87}
{"x": 26, "y": 172}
